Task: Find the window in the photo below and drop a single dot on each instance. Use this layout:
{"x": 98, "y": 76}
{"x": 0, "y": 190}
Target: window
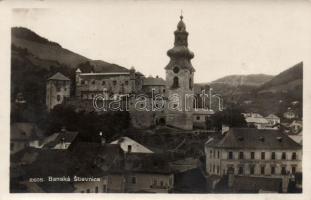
{"x": 217, "y": 154}
{"x": 218, "y": 169}
{"x": 103, "y": 82}
{"x": 175, "y": 82}
{"x": 155, "y": 182}
{"x": 272, "y": 170}
{"x": 230, "y": 155}
{"x": 273, "y": 156}
{"x": 126, "y": 82}
{"x": 293, "y": 169}
{"x": 163, "y": 90}
{"x": 87, "y": 190}
{"x": 252, "y": 169}
{"x": 93, "y": 82}
{"x": 133, "y": 180}
{"x": 58, "y": 97}
{"x": 283, "y": 171}
{"x": 198, "y": 117}
{"x": 213, "y": 168}
{"x": 263, "y": 155}
{"x": 283, "y": 156}
{"x": 211, "y": 154}
{"x": 114, "y": 82}
{"x": 294, "y": 156}
{"x": 82, "y": 82}
{"x": 252, "y": 155}
{"x": 241, "y": 169}
{"x": 262, "y": 170}
{"x": 214, "y": 154}
{"x": 96, "y": 189}
{"x": 241, "y": 155}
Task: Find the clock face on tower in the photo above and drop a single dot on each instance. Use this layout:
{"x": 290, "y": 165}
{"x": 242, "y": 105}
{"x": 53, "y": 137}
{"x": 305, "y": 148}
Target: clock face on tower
{"x": 176, "y": 70}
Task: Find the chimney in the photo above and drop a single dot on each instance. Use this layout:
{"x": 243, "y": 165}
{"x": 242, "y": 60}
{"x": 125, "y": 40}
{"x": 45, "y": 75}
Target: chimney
{"x": 62, "y": 141}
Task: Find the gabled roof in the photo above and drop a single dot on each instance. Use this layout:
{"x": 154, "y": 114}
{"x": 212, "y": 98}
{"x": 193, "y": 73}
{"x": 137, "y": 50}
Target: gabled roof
{"x": 63, "y": 136}
{"x": 59, "y": 76}
{"x": 136, "y": 147}
{"x": 251, "y": 138}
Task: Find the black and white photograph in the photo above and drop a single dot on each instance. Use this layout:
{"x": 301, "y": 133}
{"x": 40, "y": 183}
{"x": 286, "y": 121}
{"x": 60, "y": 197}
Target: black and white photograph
{"x": 176, "y": 97}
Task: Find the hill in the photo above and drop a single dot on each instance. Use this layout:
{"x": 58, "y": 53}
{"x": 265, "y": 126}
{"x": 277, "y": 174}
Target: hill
{"x": 261, "y": 93}
{"x": 289, "y": 80}
{"x": 244, "y": 80}
{"x": 34, "y": 59}
{"x": 46, "y": 50}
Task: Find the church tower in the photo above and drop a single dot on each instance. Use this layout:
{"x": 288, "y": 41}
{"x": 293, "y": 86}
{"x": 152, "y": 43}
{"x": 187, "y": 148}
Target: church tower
{"x": 179, "y": 80}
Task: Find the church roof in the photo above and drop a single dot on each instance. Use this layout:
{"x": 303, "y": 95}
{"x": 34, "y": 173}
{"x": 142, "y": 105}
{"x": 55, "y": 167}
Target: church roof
{"x": 59, "y": 76}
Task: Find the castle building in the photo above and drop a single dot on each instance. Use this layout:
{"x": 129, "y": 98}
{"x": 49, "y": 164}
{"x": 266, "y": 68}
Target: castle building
{"x": 90, "y": 83}
{"x": 57, "y": 89}
{"x": 179, "y": 81}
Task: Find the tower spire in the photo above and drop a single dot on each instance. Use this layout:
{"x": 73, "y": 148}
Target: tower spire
{"x": 181, "y": 17}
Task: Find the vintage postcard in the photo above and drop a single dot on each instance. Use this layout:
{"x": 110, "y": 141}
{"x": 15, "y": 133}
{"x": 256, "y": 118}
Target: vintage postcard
{"x": 173, "y": 97}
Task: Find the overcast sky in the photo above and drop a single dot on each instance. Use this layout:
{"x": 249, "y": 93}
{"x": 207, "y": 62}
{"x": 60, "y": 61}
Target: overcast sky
{"x": 226, "y": 38}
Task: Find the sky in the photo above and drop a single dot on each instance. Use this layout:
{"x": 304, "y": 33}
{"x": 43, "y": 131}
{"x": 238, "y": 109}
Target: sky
{"x": 227, "y": 38}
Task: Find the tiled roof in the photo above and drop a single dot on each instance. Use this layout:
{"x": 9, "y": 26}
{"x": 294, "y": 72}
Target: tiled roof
{"x": 147, "y": 163}
{"x": 66, "y": 136}
{"x": 59, "y": 76}
{"x": 154, "y": 81}
{"x": 251, "y": 138}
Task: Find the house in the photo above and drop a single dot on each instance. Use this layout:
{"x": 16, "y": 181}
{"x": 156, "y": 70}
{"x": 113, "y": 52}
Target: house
{"x": 253, "y": 152}
{"x": 257, "y": 122}
{"x": 147, "y": 173}
{"x": 24, "y": 134}
{"x": 272, "y": 120}
{"x": 129, "y": 145}
{"x": 200, "y": 117}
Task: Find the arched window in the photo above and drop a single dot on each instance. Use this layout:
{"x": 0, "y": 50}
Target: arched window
{"x": 175, "y": 82}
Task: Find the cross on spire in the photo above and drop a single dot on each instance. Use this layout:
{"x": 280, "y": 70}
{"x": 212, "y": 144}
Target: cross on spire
{"x": 181, "y": 17}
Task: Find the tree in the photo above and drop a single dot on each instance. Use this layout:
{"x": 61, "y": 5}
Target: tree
{"x": 231, "y": 116}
